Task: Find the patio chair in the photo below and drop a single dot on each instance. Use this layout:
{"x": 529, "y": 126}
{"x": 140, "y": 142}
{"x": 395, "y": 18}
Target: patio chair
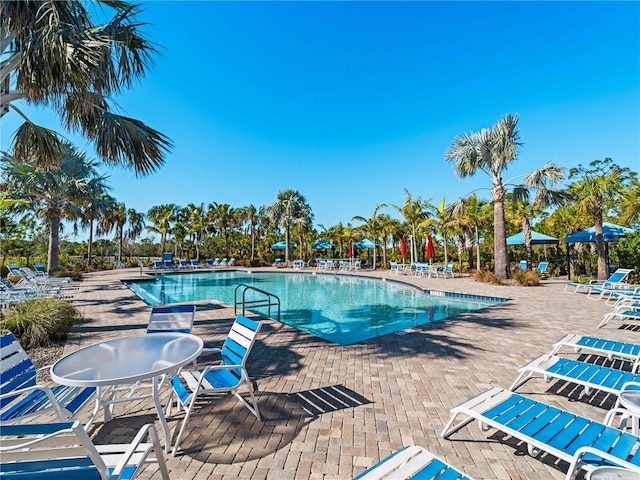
{"x": 183, "y": 264}
{"x": 157, "y": 265}
{"x": 588, "y": 375}
{"x": 227, "y": 376}
{"x": 168, "y": 264}
{"x": 584, "y": 443}
{"x": 171, "y": 318}
{"x": 601, "y": 346}
{"x": 22, "y": 397}
{"x": 65, "y": 451}
{"x": 446, "y": 271}
{"x": 542, "y": 269}
{"x": 411, "y": 462}
{"x": 196, "y": 264}
{"x": 395, "y": 268}
{"x": 522, "y": 265}
{"x": 617, "y": 277}
{"x": 223, "y": 263}
{"x": 231, "y": 262}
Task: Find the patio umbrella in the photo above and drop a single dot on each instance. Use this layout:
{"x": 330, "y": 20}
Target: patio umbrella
{"x": 322, "y": 244}
{"x": 281, "y": 245}
{"x": 403, "y": 248}
{"x": 429, "y": 249}
{"x": 366, "y": 243}
{"x": 610, "y": 231}
{"x": 536, "y": 239}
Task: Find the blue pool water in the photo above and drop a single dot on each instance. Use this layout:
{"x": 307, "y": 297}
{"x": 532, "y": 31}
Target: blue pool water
{"x": 338, "y": 308}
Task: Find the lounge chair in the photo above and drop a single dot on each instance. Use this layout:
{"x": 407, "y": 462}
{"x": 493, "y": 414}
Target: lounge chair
{"x": 29, "y": 278}
{"x": 183, "y": 264}
{"x": 631, "y": 313}
{"x": 601, "y": 346}
{"x": 226, "y": 377}
{"x": 223, "y": 263}
{"x": 22, "y": 397}
{"x": 196, "y": 264}
{"x": 65, "y": 451}
{"x": 158, "y": 265}
{"x": 588, "y": 375}
{"x": 231, "y": 262}
{"x": 171, "y": 318}
{"x": 542, "y": 269}
{"x": 40, "y": 270}
{"x": 613, "y": 291}
{"x": 298, "y": 264}
{"x": 585, "y": 444}
{"x": 213, "y": 263}
{"x": 447, "y": 271}
{"x": 522, "y": 265}
{"x": 168, "y": 264}
{"x": 277, "y": 262}
{"x": 395, "y": 268}
{"x": 617, "y": 277}
{"x": 411, "y": 462}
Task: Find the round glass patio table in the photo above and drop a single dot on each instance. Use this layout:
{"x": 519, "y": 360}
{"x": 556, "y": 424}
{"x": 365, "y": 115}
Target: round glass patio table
{"x": 120, "y": 365}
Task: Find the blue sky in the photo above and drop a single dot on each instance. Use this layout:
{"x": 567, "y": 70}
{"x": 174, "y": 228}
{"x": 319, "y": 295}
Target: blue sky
{"x": 352, "y": 102}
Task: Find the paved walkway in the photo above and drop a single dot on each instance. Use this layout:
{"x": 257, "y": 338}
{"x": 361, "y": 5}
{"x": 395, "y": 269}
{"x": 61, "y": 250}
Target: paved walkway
{"x": 331, "y": 411}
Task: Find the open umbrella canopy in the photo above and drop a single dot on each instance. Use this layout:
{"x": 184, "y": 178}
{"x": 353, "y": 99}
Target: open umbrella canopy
{"x": 537, "y": 238}
{"x": 321, "y": 244}
{"x": 610, "y": 231}
{"x": 366, "y": 243}
{"x": 281, "y": 245}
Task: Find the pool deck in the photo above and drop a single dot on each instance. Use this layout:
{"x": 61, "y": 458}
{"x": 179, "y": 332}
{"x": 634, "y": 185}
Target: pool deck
{"x": 329, "y": 412}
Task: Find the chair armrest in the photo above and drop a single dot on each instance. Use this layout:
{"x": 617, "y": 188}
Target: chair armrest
{"x": 220, "y": 367}
{"x": 582, "y": 451}
{"x": 48, "y": 392}
{"x": 146, "y": 430}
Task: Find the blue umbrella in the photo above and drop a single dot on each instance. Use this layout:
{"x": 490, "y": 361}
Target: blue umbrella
{"x": 610, "y": 231}
{"x": 321, "y": 244}
{"x": 537, "y": 238}
{"x": 281, "y": 245}
{"x": 366, "y": 243}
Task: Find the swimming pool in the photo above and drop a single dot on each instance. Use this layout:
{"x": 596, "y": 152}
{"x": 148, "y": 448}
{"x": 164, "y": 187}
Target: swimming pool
{"x": 343, "y": 309}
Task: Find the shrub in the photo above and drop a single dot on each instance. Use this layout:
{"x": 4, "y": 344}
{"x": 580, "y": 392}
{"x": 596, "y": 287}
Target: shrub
{"x": 40, "y": 322}
{"x": 487, "y": 277}
{"x": 527, "y": 278}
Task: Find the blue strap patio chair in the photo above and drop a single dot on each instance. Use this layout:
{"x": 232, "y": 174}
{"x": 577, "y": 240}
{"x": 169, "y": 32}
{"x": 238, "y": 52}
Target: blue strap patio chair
{"x": 588, "y": 375}
{"x": 227, "y": 376}
{"x": 64, "y": 451}
{"x": 171, "y": 318}
{"x": 22, "y": 397}
{"x": 542, "y": 269}
{"x": 196, "y": 264}
{"x": 601, "y": 346}
{"x": 585, "y": 444}
{"x": 631, "y": 313}
{"x": 412, "y": 462}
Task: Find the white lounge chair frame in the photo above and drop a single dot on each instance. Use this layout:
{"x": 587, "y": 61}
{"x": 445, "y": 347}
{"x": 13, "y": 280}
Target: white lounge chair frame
{"x": 584, "y": 443}
{"x": 601, "y": 346}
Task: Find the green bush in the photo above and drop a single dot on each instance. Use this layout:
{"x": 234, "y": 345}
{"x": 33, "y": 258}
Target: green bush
{"x": 627, "y": 253}
{"x": 527, "y": 278}
{"x": 39, "y": 322}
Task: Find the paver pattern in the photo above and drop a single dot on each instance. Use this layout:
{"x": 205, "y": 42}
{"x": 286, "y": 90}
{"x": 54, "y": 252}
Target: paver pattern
{"x": 331, "y": 411}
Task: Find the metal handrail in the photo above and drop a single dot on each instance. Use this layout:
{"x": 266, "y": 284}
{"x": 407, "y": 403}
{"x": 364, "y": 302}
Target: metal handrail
{"x": 269, "y": 301}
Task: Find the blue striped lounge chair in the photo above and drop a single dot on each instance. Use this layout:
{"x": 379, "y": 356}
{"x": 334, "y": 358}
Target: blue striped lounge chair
{"x": 64, "y": 451}
{"x": 22, "y": 397}
{"x": 412, "y": 462}
{"x": 585, "y": 444}
{"x": 617, "y": 277}
{"x": 601, "y": 346}
{"x": 588, "y": 375}
{"x": 628, "y": 313}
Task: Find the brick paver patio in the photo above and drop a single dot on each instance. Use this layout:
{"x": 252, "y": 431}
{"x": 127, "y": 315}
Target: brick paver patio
{"x": 331, "y": 411}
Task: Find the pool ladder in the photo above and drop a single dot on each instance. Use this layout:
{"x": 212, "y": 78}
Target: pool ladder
{"x": 269, "y": 300}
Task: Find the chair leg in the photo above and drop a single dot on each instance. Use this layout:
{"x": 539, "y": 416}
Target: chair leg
{"x": 187, "y": 414}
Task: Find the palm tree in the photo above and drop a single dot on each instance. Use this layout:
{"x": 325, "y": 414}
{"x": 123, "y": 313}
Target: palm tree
{"x": 252, "y": 218}
{"x": 195, "y": 224}
{"x": 470, "y": 213}
{"x": 372, "y": 227}
{"x": 116, "y": 218}
{"x": 223, "y": 217}
{"x": 540, "y": 182}
{"x": 490, "y": 151}
{"x": 290, "y": 206}
{"x": 135, "y": 224}
{"x": 95, "y": 207}
{"x": 598, "y": 187}
{"x": 53, "y": 189}
{"x": 441, "y": 220}
{"x": 161, "y": 218}
{"x": 59, "y": 55}
{"x": 415, "y": 211}
{"x": 388, "y": 226}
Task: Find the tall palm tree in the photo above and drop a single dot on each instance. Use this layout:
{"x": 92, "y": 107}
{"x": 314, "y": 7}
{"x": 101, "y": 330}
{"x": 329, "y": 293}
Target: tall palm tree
{"x": 53, "y": 189}
{"x": 470, "y": 213}
{"x": 94, "y": 208}
{"x": 372, "y": 227}
{"x": 223, "y": 217}
{"x": 540, "y": 182}
{"x": 490, "y": 151}
{"x": 196, "y": 224}
{"x": 290, "y": 206}
{"x": 162, "y": 218}
{"x": 135, "y": 224}
{"x": 415, "y": 211}
{"x": 252, "y": 218}
{"x": 596, "y": 188}
{"x": 388, "y": 226}
{"x": 63, "y": 56}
